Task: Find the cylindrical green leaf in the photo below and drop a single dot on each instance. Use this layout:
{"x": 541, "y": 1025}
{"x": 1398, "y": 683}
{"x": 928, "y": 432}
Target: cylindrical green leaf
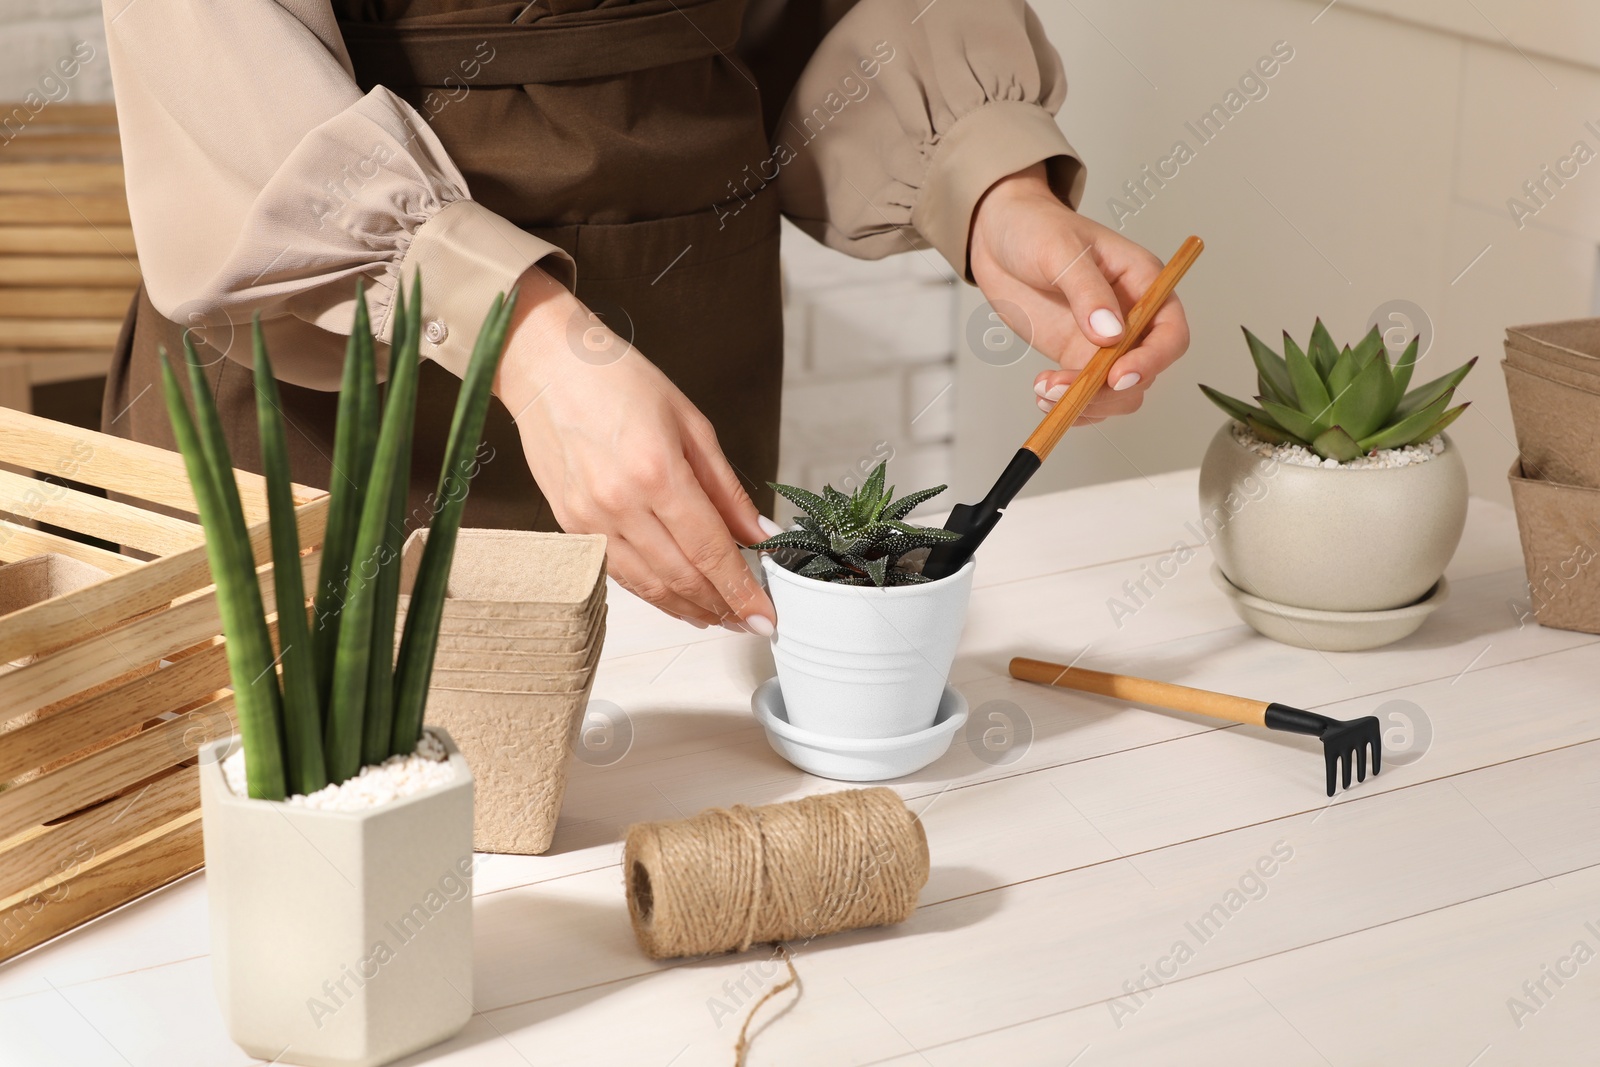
{"x": 420, "y": 639}
{"x": 378, "y": 726}
{"x": 302, "y": 714}
{"x": 355, "y": 434}
{"x": 348, "y": 695}
{"x": 244, "y": 626}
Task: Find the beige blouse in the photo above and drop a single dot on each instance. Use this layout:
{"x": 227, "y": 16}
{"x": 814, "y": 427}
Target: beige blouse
{"x": 233, "y": 116}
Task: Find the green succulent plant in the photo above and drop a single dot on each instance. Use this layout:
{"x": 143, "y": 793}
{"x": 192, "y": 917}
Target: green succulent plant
{"x": 858, "y": 539}
{"x": 345, "y": 700}
{"x": 1342, "y": 403}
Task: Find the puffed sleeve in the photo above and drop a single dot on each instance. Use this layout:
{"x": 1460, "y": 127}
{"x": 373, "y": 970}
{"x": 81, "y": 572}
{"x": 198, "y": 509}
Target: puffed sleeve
{"x": 908, "y": 111}
{"x": 261, "y": 178}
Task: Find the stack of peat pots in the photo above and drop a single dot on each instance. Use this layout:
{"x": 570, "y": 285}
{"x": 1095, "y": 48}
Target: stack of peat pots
{"x": 1553, "y": 380}
{"x": 524, "y": 619}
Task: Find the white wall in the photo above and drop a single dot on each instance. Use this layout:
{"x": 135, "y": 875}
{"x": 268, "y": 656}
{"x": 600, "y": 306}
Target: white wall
{"x": 34, "y": 34}
{"x": 1377, "y": 167}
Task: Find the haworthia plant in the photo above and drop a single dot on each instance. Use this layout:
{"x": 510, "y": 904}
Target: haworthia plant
{"x": 1342, "y": 403}
{"x": 857, "y": 539}
{"x": 343, "y": 701}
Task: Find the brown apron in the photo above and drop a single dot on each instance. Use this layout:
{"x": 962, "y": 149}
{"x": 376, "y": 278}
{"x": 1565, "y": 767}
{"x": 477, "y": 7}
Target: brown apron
{"x": 619, "y": 132}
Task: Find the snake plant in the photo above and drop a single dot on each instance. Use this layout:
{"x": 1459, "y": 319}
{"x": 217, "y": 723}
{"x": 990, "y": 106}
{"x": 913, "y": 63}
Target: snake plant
{"x": 1342, "y": 403}
{"x": 335, "y": 697}
{"x": 859, "y": 539}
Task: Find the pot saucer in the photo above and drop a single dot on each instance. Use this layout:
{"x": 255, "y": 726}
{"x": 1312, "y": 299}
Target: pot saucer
{"x": 856, "y": 759}
{"x": 1329, "y": 631}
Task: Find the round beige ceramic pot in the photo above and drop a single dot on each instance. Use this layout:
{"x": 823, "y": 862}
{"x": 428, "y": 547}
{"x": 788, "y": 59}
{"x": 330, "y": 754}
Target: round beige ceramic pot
{"x": 1331, "y": 539}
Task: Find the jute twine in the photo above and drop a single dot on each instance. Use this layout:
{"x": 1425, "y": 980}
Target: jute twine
{"x": 729, "y": 878}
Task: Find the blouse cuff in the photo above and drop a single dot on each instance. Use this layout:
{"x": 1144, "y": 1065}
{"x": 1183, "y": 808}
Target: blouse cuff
{"x": 466, "y": 254}
{"x": 983, "y": 146}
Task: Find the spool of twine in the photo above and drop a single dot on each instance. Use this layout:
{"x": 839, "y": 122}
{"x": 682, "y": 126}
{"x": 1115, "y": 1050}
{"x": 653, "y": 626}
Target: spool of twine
{"x": 729, "y": 878}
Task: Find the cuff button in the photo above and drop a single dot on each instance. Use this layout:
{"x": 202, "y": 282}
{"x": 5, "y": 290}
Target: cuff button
{"x": 435, "y": 332}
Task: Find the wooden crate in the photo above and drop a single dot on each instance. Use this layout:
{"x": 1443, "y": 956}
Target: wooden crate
{"x": 68, "y": 268}
{"x": 107, "y": 691}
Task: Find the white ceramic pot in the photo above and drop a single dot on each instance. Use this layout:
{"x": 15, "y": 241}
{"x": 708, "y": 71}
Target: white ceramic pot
{"x": 340, "y": 939}
{"x": 859, "y": 661}
{"x": 1327, "y": 538}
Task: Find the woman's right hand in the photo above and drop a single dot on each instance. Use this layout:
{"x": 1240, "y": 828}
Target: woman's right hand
{"x": 617, "y": 449}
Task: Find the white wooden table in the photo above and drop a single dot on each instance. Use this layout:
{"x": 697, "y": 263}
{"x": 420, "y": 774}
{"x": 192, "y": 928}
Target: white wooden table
{"x": 1398, "y": 923}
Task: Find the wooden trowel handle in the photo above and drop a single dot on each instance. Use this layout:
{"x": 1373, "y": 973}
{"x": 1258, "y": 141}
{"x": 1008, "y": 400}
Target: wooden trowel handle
{"x": 1093, "y": 376}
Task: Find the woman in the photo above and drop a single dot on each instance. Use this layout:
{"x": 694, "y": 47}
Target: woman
{"x": 624, "y": 164}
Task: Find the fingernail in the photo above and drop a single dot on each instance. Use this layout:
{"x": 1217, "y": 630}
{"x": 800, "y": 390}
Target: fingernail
{"x": 1105, "y": 323}
{"x": 768, "y": 527}
{"x": 1127, "y": 381}
{"x": 760, "y": 625}
{"x": 1045, "y": 405}
{"x": 1054, "y": 393}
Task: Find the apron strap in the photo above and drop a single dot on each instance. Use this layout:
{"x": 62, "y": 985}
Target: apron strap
{"x": 653, "y": 33}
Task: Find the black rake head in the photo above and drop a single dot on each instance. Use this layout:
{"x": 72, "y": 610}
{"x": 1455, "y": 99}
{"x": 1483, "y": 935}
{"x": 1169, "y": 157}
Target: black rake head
{"x": 1343, "y": 741}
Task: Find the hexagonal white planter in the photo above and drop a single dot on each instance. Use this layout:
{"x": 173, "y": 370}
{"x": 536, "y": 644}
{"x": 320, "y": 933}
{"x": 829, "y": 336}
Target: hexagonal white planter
{"x": 340, "y": 939}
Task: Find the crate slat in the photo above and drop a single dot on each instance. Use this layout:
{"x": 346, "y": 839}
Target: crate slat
{"x": 111, "y": 271}
{"x": 47, "y": 368}
{"x": 59, "y": 333}
{"x": 19, "y": 542}
{"x": 67, "y": 240}
{"x": 59, "y": 114}
{"x": 53, "y": 144}
{"x": 111, "y": 520}
{"x": 98, "y": 776}
{"x": 129, "y": 467}
{"x": 112, "y": 878}
{"x": 196, "y": 677}
{"x": 64, "y": 303}
{"x": 60, "y": 177}
{"x": 128, "y": 647}
{"x": 97, "y": 208}
{"x": 51, "y": 851}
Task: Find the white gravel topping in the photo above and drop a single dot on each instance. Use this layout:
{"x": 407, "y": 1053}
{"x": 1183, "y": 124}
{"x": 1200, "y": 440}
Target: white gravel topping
{"x": 1301, "y": 456}
{"x": 376, "y": 785}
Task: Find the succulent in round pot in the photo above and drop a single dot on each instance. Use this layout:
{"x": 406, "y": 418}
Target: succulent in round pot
{"x": 338, "y": 833}
{"x": 864, "y": 642}
{"x": 1340, "y": 492}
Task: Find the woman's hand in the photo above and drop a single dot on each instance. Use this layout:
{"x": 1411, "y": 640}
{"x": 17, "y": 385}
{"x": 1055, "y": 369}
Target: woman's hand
{"x": 617, "y": 449}
{"x": 1064, "y": 284}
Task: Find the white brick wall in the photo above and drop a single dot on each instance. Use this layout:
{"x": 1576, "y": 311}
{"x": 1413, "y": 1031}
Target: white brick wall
{"x": 869, "y": 367}
{"x": 34, "y": 34}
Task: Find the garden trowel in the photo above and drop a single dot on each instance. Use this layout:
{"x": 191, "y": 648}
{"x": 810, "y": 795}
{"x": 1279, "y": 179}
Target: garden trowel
{"x": 974, "y": 521}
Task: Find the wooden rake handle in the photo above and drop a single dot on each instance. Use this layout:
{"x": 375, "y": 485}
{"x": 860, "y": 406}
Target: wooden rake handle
{"x": 1088, "y": 382}
{"x": 1142, "y": 691}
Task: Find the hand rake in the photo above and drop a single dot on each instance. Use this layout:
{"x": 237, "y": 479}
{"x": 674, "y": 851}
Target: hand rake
{"x": 1344, "y": 742}
{"x": 974, "y": 521}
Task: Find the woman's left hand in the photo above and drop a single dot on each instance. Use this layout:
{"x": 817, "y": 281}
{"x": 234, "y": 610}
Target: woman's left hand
{"x": 1065, "y": 284}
